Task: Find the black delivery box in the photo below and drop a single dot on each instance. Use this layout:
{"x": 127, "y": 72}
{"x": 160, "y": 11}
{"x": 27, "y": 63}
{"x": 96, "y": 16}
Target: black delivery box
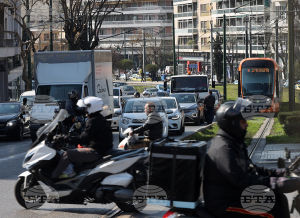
{"x": 177, "y": 167}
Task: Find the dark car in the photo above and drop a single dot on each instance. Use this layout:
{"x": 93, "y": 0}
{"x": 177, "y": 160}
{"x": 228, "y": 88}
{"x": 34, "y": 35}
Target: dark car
{"x": 217, "y": 92}
{"x": 127, "y": 90}
{"x": 14, "y": 120}
{"x": 118, "y": 84}
{"x": 192, "y": 106}
{"x": 162, "y": 94}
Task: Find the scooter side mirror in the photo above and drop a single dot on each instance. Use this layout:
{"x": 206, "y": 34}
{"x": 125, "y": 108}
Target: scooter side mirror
{"x": 281, "y": 163}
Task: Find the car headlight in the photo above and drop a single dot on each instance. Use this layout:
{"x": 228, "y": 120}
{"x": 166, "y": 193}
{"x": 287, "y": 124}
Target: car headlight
{"x": 11, "y": 123}
{"x": 126, "y": 121}
{"x": 175, "y": 117}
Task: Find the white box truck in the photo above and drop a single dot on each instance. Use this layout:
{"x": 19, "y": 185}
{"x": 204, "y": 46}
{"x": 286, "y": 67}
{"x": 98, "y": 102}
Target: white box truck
{"x": 87, "y": 72}
{"x": 190, "y": 83}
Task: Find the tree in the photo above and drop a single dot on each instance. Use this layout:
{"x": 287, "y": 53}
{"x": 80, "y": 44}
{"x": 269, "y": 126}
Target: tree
{"x": 231, "y": 56}
{"x": 125, "y": 64}
{"x": 83, "y": 18}
{"x": 26, "y": 43}
{"x": 152, "y": 67}
{"x": 218, "y": 57}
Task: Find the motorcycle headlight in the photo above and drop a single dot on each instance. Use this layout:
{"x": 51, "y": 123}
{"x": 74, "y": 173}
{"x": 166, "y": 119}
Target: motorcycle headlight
{"x": 28, "y": 157}
{"x": 126, "y": 121}
{"x": 11, "y": 123}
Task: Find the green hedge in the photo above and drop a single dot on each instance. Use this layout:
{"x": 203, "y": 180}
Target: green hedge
{"x": 282, "y": 116}
{"x": 292, "y": 119}
{"x": 292, "y": 129}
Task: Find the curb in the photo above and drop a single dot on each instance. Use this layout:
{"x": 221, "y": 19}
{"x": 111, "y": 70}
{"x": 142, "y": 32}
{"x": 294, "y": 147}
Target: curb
{"x": 198, "y": 130}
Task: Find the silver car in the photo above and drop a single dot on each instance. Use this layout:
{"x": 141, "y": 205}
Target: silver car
{"x": 127, "y": 90}
{"x": 175, "y": 114}
{"x": 133, "y": 115}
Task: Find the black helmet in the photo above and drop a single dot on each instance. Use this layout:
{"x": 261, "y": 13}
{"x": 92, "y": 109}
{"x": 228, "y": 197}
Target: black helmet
{"x": 136, "y": 95}
{"x": 72, "y": 94}
{"x": 228, "y": 117}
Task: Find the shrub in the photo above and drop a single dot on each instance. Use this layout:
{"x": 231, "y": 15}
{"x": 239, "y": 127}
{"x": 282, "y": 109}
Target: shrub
{"x": 292, "y": 128}
{"x": 283, "y": 115}
{"x": 292, "y": 119}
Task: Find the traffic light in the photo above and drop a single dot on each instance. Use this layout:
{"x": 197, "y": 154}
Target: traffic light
{"x": 118, "y": 48}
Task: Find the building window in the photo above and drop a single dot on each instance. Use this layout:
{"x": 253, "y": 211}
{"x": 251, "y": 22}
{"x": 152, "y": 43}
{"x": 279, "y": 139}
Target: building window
{"x": 204, "y": 41}
{"x": 46, "y": 36}
{"x": 203, "y": 8}
{"x": 281, "y": 15}
{"x": 113, "y": 31}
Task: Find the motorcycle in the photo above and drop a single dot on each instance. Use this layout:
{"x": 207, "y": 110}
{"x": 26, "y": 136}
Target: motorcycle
{"x": 129, "y": 140}
{"x": 292, "y": 172}
{"x": 114, "y": 178}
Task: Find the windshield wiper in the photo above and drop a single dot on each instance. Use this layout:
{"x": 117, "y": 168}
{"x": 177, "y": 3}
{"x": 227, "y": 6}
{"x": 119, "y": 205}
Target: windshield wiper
{"x": 265, "y": 89}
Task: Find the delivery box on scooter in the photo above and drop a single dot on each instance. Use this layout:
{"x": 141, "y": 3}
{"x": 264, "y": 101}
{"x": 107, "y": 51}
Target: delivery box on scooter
{"x": 177, "y": 167}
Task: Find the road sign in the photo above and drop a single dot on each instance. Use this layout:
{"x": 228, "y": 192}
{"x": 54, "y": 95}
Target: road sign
{"x": 192, "y": 65}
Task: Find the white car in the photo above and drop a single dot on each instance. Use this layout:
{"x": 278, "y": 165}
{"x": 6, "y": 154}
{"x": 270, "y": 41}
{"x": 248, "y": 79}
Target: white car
{"x": 133, "y": 115}
{"x": 175, "y": 115}
{"x": 116, "y": 116}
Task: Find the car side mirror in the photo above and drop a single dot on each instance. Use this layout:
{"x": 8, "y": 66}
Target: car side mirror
{"x": 118, "y": 112}
{"x": 168, "y": 111}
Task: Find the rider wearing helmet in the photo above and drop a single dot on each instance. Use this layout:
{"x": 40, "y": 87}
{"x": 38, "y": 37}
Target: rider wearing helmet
{"x": 73, "y": 96}
{"x": 146, "y": 94}
{"x": 96, "y": 134}
{"x": 229, "y": 170}
{"x": 136, "y": 95}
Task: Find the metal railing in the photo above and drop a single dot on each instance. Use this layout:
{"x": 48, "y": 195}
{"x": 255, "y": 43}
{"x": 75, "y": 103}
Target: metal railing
{"x": 187, "y": 46}
{"x": 136, "y": 22}
{"x": 185, "y": 14}
{"x": 186, "y": 31}
{"x": 144, "y": 8}
{"x": 7, "y": 43}
{"x": 129, "y": 36}
{"x": 257, "y": 8}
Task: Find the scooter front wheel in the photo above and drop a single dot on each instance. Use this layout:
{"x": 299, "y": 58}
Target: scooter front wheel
{"x": 37, "y": 195}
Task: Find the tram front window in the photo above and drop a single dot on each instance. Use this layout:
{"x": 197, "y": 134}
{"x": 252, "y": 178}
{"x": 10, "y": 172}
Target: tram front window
{"x": 258, "y": 81}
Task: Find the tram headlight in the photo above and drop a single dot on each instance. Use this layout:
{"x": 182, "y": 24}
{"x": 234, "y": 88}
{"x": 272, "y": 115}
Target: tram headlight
{"x": 268, "y": 101}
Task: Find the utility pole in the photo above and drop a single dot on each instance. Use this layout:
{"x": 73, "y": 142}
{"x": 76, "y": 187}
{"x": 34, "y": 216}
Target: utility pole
{"x": 276, "y": 42}
{"x": 144, "y": 51}
{"x": 132, "y": 51}
{"x": 178, "y": 52}
{"x": 50, "y": 19}
{"x": 246, "y": 36}
{"x": 174, "y": 54}
{"x": 211, "y": 55}
{"x": 250, "y": 43}
{"x": 124, "y": 43}
{"x": 291, "y": 57}
{"x": 224, "y": 56}
{"x": 164, "y": 47}
{"x": 29, "y": 52}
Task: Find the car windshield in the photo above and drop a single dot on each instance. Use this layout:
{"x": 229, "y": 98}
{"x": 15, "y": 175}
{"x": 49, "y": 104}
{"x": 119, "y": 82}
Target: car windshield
{"x": 160, "y": 94}
{"x": 9, "y": 108}
{"x": 29, "y": 98}
{"x": 56, "y": 92}
{"x": 162, "y": 87}
{"x": 138, "y": 106}
{"x": 116, "y": 92}
{"x": 169, "y": 103}
{"x": 116, "y": 103}
{"x": 128, "y": 88}
{"x": 185, "y": 98}
{"x": 151, "y": 90}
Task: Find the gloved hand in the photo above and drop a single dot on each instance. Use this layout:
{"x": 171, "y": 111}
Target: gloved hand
{"x": 284, "y": 185}
{"x": 280, "y": 172}
{"x": 62, "y": 138}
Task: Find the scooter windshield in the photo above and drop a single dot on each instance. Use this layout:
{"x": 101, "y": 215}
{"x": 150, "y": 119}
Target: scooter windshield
{"x": 63, "y": 114}
{"x": 241, "y": 104}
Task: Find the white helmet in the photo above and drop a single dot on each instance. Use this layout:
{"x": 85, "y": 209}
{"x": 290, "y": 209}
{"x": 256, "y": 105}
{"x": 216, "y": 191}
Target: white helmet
{"x": 146, "y": 94}
{"x": 93, "y": 104}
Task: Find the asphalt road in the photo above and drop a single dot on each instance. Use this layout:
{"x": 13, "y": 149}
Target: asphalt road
{"x": 12, "y": 153}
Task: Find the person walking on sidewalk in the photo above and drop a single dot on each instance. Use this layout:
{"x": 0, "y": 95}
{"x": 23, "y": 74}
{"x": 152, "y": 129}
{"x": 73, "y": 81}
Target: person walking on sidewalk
{"x": 209, "y": 103}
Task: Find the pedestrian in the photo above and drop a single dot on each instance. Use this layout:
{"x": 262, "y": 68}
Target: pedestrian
{"x": 143, "y": 76}
{"x": 209, "y": 103}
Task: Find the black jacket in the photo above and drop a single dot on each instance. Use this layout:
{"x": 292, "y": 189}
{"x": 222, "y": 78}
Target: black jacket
{"x": 96, "y": 134}
{"x": 152, "y": 128}
{"x": 209, "y": 101}
{"x": 228, "y": 171}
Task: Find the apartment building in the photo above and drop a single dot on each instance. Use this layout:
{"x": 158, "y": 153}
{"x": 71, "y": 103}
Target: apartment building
{"x": 10, "y": 63}
{"x": 124, "y": 29}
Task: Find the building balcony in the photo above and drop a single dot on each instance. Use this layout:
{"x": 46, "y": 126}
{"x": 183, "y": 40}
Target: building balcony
{"x": 136, "y": 23}
{"x": 185, "y": 14}
{"x": 179, "y": 2}
{"x": 205, "y": 47}
{"x": 9, "y": 48}
{"x": 220, "y": 12}
{"x": 128, "y": 37}
{"x": 187, "y": 31}
{"x": 234, "y": 29}
{"x": 145, "y": 10}
{"x": 195, "y": 47}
